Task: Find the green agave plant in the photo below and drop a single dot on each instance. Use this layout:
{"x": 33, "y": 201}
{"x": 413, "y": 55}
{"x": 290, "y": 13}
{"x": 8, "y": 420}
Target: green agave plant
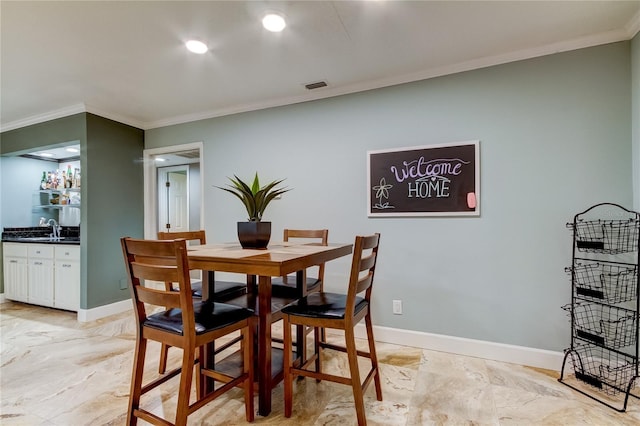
{"x": 255, "y": 198}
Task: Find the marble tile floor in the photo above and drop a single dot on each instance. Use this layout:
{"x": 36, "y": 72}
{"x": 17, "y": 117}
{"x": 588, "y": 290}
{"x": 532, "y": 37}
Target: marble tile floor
{"x": 55, "y": 371}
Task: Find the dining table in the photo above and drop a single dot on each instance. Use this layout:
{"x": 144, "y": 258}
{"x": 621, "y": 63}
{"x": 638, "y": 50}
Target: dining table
{"x": 259, "y": 266}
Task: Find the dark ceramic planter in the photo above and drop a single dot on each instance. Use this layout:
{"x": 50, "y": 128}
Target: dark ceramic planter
{"x": 254, "y": 235}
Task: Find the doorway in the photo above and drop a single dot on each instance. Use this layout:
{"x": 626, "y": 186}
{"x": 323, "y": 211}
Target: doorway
{"x": 173, "y": 198}
{"x": 181, "y": 205}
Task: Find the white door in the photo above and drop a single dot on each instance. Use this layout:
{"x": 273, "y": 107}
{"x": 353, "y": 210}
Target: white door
{"x": 173, "y": 206}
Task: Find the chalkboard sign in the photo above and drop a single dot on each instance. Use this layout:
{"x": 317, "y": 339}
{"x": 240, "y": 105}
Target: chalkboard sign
{"x": 432, "y": 180}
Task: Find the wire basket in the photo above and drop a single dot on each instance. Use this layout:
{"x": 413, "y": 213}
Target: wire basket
{"x": 607, "y": 236}
{"x": 603, "y": 325}
{"x": 609, "y": 283}
{"x": 608, "y": 371}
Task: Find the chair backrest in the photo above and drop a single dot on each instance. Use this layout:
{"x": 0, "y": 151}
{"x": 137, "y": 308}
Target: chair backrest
{"x": 363, "y": 266}
{"x": 164, "y": 261}
{"x": 320, "y": 235}
{"x": 187, "y": 235}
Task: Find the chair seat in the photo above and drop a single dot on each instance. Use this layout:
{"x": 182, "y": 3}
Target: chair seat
{"x": 281, "y": 289}
{"x": 223, "y": 289}
{"x": 323, "y": 305}
{"x": 209, "y": 316}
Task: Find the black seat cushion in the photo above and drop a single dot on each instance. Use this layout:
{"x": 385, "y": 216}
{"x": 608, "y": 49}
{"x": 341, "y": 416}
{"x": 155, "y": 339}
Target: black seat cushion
{"x": 323, "y": 305}
{"x": 224, "y": 290}
{"x": 281, "y": 289}
{"x": 209, "y": 316}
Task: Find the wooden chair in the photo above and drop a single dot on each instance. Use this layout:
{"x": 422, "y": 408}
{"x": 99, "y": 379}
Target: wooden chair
{"x": 183, "y": 324}
{"x": 342, "y": 312}
{"x": 286, "y": 286}
{"x": 224, "y": 290}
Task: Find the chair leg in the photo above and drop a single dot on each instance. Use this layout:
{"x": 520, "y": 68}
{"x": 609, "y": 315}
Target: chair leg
{"x": 356, "y": 385}
{"x": 246, "y": 346}
{"x": 184, "y": 391}
{"x": 374, "y": 356}
{"x": 301, "y": 342}
{"x": 288, "y": 363}
{"x": 164, "y": 353}
{"x": 318, "y": 337}
{"x": 136, "y": 380}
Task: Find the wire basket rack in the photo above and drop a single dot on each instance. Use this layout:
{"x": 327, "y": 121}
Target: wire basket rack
{"x": 608, "y": 371}
{"x": 607, "y": 236}
{"x": 603, "y": 325}
{"x": 605, "y": 282}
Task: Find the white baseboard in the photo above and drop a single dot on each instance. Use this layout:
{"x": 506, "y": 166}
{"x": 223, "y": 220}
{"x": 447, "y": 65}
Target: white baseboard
{"x": 522, "y": 355}
{"x": 2, "y": 299}
{"x": 86, "y": 315}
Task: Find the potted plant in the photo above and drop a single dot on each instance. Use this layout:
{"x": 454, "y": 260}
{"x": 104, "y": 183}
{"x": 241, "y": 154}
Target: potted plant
{"x": 254, "y": 233}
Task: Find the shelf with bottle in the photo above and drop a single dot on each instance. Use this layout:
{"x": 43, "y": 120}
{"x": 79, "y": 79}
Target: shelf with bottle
{"x": 57, "y": 198}
{"x": 59, "y": 180}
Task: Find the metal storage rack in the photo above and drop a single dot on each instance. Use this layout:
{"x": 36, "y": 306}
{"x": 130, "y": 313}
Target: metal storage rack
{"x": 605, "y": 303}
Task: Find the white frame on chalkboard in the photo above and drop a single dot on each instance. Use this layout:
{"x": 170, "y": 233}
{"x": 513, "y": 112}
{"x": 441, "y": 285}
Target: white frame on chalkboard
{"x": 391, "y": 213}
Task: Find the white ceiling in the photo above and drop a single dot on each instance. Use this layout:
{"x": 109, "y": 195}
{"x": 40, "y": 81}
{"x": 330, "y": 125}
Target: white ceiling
{"x": 126, "y": 60}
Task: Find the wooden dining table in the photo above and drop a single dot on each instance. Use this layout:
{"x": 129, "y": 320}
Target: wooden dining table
{"x": 278, "y": 260}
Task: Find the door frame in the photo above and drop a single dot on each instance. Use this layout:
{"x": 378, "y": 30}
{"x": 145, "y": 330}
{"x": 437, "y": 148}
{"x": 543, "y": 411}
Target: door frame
{"x": 151, "y": 184}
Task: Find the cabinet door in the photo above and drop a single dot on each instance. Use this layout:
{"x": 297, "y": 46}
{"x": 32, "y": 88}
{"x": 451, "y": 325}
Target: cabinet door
{"x": 41, "y": 282}
{"x": 16, "y": 285}
{"x": 67, "y": 285}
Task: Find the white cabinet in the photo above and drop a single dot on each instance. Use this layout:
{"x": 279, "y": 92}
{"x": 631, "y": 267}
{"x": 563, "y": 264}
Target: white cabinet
{"x": 43, "y": 274}
{"x": 67, "y": 277}
{"x": 15, "y": 272}
{"x": 40, "y": 274}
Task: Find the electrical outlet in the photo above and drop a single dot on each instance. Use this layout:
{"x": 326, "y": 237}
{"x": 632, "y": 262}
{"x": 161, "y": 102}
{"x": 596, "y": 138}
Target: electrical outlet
{"x": 397, "y": 307}
{"x": 124, "y": 284}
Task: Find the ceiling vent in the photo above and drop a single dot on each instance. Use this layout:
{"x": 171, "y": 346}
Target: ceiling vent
{"x": 316, "y": 85}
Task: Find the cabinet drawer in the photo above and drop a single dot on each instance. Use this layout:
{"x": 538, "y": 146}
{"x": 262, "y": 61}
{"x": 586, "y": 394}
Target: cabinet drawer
{"x": 14, "y": 249}
{"x": 40, "y": 251}
{"x": 67, "y": 252}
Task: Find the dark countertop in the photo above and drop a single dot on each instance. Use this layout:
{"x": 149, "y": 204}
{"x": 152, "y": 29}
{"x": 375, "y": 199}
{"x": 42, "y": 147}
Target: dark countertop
{"x": 41, "y": 235}
{"x": 41, "y": 240}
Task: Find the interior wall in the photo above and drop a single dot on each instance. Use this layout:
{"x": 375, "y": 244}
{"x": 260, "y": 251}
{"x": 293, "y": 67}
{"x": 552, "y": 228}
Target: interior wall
{"x": 635, "y": 117}
{"x": 194, "y": 197}
{"x": 115, "y": 186}
{"x": 19, "y": 195}
{"x": 555, "y": 138}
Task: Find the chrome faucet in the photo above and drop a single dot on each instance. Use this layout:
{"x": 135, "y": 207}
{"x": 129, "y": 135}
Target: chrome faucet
{"x": 56, "y": 229}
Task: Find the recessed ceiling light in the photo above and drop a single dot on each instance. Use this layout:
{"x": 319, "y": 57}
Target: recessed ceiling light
{"x": 196, "y": 46}
{"x": 45, "y": 154}
{"x": 72, "y": 149}
{"x": 274, "y": 22}
{"x": 160, "y": 159}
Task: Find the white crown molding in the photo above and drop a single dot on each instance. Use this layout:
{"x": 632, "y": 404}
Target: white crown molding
{"x": 633, "y": 26}
{"x": 115, "y": 117}
{"x": 550, "y": 49}
{"x": 627, "y": 33}
{"x": 41, "y": 118}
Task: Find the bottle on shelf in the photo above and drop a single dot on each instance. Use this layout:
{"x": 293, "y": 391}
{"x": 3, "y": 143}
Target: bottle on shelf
{"x": 69, "y": 181}
{"x": 43, "y": 181}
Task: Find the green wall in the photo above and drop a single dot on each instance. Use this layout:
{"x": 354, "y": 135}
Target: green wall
{"x": 114, "y": 206}
{"x": 112, "y": 193}
{"x": 555, "y": 138}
